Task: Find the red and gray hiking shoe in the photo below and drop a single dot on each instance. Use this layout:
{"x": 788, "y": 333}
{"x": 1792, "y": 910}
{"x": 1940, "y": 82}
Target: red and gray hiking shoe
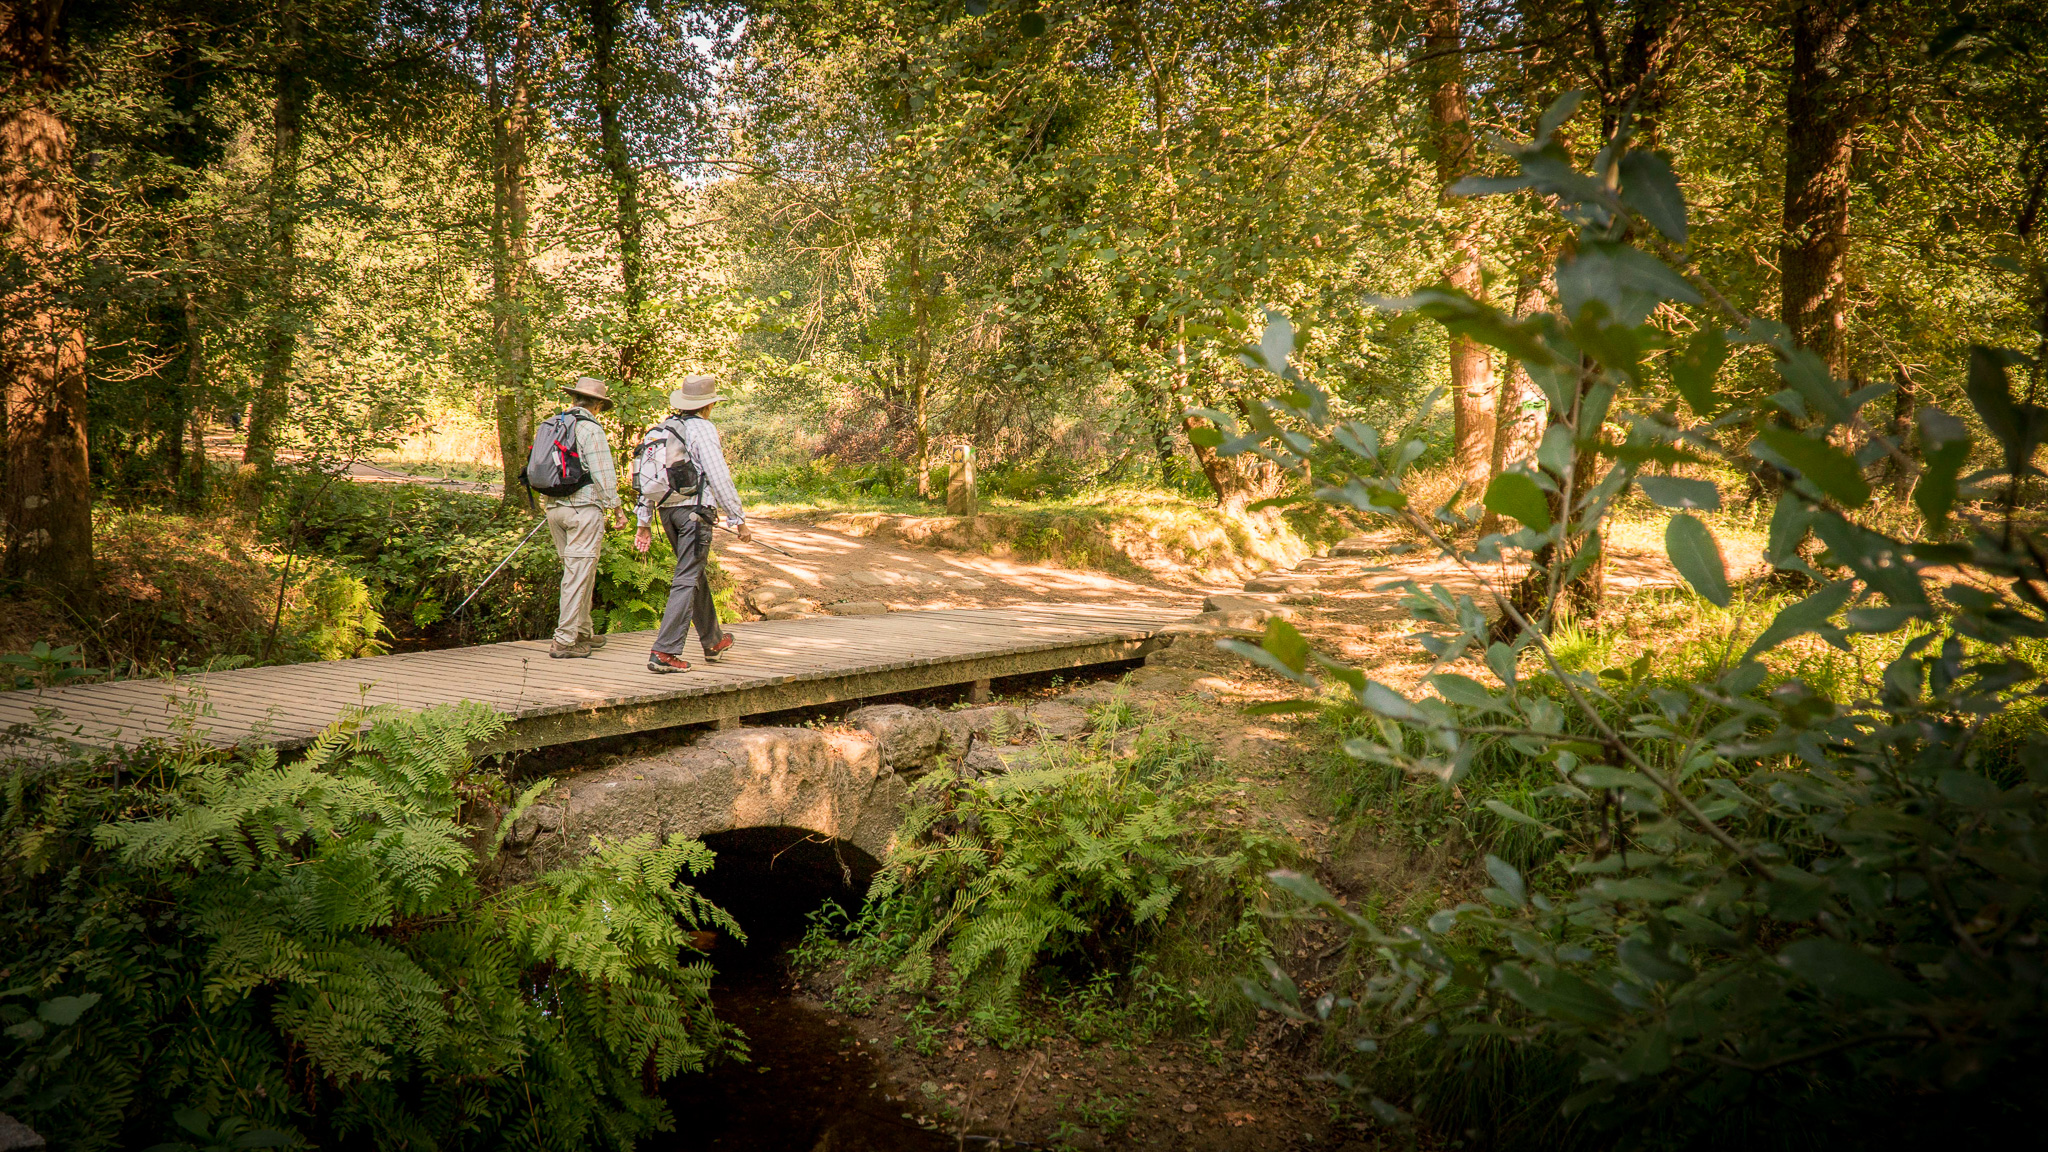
{"x": 713, "y": 652}
{"x": 663, "y": 662}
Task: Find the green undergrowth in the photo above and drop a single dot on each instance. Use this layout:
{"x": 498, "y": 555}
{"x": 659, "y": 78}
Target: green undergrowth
{"x": 203, "y": 949}
{"x": 177, "y": 592}
{"x": 363, "y": 569}
{"x": 1105, "y": 899}
{"x": 1657, "y": 641}
{"x": 421, "y": 551}
{"x": 1539, "y": 819}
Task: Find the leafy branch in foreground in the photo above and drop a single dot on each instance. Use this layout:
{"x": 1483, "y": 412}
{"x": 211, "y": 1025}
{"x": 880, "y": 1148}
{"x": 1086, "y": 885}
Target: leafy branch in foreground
{"x": 1801, "y": 910}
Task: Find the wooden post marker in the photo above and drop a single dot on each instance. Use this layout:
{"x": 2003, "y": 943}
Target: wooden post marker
{"x": 960, "y": 495}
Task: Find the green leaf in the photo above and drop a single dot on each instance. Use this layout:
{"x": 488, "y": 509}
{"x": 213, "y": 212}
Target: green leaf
{"x": 1283, "y": 707}
{"x": 1628, "y": 281}
{"x": 1695, "y": 366}
{"x": 1510, "y": 881}
{"x": 1945, "y": 449}
{"x": 1286, "y": 644}
{"x": 1560, "y": 110}
{"x": 1644, "y": 959}
{"x": 1557, "y": 994}
{"x": 1276, "y": 344}
{"x": 1031, "y": 24}
{"x": 1507, "y": 812}
{"x": 1697, "y": 557}
{"x": 1205, "y": 437}
{"x": 1464, "y": 690}
{"x": 1649, "y": 189}
{"x": 1515, "y": 495}
{"x": 1808, "y": 615}
{"x": 66, "y": 1009}
{"x": 1808, "y": 375}
{"x": 1990, "y": 393}
{"x": 193, "y": 1120}
{"x": 1821, "y": 464}
{"x": 1845, "y": 970}
{"x": 1680, "y": 492}
{"x": 1790, "y": 520}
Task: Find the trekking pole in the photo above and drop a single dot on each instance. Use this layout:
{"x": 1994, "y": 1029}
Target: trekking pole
{"x": 501, "y": 567}
{"x": 755, "y": 540}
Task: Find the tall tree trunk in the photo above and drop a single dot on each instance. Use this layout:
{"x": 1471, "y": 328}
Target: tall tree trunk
{"x": 1519, "y": 414}
{"x": 48, "y": 502}
{"x": 1820, "y": 125}
{"x": 628, "y": 224}
{"x": 510, "y": 100}
{"x": 1472, "y": 391}
{"x": 281, "y": 319}
{"x": 921, "y": 342}
{"x": 192, "y": 483}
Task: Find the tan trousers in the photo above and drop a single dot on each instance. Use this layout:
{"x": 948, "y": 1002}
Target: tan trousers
{"x": 578, "y": 532}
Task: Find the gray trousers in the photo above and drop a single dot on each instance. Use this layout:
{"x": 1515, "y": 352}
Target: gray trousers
{"x": 689, "y": 591}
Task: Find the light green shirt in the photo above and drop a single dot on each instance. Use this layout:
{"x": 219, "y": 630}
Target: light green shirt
{"x": 603, "y": 489}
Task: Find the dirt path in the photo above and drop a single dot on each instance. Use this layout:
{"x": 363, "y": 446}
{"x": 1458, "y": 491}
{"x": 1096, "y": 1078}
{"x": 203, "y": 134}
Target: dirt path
{"x": 828, "y": 571}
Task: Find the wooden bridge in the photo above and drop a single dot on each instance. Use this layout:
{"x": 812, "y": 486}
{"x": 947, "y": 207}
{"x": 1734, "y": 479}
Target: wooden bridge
{"x": 774, "y": 666}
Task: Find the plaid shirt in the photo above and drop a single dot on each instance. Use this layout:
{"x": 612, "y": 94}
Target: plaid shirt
{"x": 700, "y": 437}
{"x": 603, "y": 489}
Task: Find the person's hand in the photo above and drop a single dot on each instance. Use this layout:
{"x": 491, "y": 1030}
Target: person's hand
{"x": 745, "y": 533}
{"x": 618, "y": 519}
{"x": 643, "y": 539}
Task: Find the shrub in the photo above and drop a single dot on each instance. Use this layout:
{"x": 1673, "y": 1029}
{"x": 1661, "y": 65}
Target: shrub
{"x": 1782, "y": 912}
{"x": 199, "y": 944}
{"x": 1058, "y": 879}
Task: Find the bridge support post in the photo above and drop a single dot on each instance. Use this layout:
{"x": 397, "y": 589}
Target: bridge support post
{"x": 978, "y": 692}
{"x": 724, "y": 723}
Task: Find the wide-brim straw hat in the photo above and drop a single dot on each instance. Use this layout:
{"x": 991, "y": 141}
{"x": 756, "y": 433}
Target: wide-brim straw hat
{"x": 590, "y": 387}
{"x": 696, "y": 392}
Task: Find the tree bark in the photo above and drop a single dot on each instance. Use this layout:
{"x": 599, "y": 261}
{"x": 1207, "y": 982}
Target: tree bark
{"x": 1472, "y": 391}
{"x": 48, "y": 502}
{"x": 1519, "y": 414}
{"x": 1904, "y": 394}
{"x": 628, "y": 224}
{"x": 281, "y": 320}
{"x": 1820, "y": 126}
{"x": 509, "y": 99}
{"x": 192, "y": 483}
{"x": 920, "y": 337}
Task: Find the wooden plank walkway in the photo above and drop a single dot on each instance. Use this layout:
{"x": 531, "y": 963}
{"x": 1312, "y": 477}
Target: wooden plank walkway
{"x": 775, "y": 665}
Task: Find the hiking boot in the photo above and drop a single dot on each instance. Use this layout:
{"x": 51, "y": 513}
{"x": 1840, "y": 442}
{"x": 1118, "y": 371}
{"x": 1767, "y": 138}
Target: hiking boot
{"x": 663, "y": 662}
{"x": 596, "y": 640}
{"x": 580, "y": 650}
{"x": 713, "y": 652}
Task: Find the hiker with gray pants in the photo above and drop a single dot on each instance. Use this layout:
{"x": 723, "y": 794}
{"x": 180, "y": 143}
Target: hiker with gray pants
{"x": 680, "y": 464}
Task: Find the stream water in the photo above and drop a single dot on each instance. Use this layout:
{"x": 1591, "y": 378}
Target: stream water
{"x": 808, "y": 1085}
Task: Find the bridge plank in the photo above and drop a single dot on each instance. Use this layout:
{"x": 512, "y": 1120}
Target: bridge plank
{"x": 776, "y": 664}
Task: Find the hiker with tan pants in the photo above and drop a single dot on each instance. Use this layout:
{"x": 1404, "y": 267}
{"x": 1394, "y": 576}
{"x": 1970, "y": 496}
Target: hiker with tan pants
{"x": 577, "y": 520}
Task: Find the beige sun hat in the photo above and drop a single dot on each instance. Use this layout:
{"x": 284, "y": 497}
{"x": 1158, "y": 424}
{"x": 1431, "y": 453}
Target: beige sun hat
{"x": 591, "y": 387}
{"x": 696, "y": 392}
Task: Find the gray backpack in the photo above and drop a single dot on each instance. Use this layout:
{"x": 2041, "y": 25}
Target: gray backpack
{"x": 555, "y": 467}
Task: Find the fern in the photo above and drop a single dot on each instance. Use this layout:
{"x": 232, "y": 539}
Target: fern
{"x": 1079, "y": 865}
{"x": 320, "y": 940}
